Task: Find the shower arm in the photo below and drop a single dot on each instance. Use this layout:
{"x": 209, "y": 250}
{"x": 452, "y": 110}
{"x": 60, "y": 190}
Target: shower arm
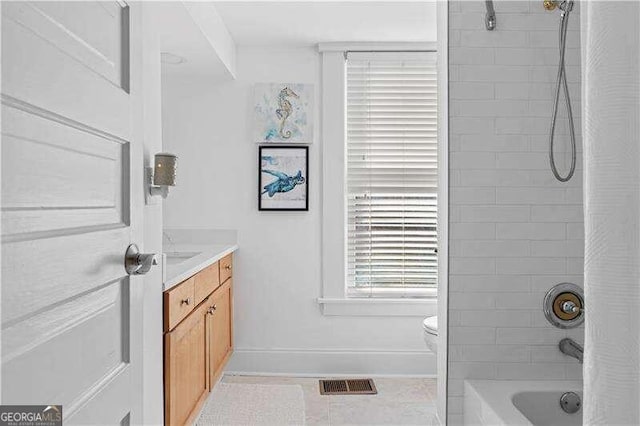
{"x": 490, "y": 16}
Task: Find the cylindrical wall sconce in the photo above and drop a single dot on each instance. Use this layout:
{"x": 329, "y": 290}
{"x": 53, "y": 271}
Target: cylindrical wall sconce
{"x": 163, "y": 174}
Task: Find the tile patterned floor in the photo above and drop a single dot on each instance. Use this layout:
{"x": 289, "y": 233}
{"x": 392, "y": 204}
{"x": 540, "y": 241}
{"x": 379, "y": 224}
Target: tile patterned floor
{"x": 400, "y": 401}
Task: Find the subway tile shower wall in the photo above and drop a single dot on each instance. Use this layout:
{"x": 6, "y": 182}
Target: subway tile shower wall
{"x": 515, "y": 231}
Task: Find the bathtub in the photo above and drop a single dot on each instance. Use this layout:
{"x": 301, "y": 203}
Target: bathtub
{"x": 515, "y": 402}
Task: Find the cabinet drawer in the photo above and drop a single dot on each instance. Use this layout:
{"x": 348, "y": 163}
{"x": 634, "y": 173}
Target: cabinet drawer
{"x": 206, "y": 281}
{"x": 226, "y": 266}
{"x": 178, "y": 302}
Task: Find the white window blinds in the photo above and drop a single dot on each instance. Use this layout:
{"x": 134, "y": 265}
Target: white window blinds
{"x": 392, "y": 174}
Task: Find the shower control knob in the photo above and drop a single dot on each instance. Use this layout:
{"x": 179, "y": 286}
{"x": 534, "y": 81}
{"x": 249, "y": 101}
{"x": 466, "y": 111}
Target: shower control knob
{"x": 563, "y": 305}
{"x": 569, "y": 307}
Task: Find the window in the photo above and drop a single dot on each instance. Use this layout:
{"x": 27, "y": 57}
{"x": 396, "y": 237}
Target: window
{"x": 392, "y": 174}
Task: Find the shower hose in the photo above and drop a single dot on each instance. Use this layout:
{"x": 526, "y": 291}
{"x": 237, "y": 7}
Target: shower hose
{"x": 561, "y": 82}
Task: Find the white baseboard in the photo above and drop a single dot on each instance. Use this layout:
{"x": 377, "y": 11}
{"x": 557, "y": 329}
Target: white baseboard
{"x": 319, "y": 362}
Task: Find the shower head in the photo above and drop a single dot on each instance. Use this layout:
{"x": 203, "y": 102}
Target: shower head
{"x": 564, "y": 5}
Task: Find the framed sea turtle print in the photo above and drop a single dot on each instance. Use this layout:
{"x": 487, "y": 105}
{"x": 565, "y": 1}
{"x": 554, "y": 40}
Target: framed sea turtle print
{"x": 283, "y": 178}
{"x": 283, "y": 113}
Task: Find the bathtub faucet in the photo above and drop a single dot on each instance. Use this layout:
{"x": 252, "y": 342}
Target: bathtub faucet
{"x": 571, "y": 348}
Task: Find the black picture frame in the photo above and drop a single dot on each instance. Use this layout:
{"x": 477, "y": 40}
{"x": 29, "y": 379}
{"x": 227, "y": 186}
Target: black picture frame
{"x": 261, "y": 186}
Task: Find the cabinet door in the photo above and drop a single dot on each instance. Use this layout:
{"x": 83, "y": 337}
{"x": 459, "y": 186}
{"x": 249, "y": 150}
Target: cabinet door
{"x": 186, "y": 355}
{"x": 220, "y": 330}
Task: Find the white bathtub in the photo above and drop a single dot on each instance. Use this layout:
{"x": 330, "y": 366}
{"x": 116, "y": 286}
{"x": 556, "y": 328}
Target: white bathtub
{"x": 506, "y": 402}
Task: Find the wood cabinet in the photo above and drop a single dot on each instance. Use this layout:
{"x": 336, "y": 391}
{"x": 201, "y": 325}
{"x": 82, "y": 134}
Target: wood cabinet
{"x": 186, "y": 358}
{"x": 198, "y": 340}
{"x": 219, "y": 330}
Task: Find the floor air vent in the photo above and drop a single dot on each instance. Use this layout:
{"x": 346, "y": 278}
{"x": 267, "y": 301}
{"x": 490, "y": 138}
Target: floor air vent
{"x": 347, "y": 387}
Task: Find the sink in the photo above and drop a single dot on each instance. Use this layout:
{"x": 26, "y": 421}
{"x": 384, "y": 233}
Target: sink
{"x": 174, "y": 258}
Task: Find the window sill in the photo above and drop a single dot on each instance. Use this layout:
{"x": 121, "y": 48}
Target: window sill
{"x": 379, "y": 307}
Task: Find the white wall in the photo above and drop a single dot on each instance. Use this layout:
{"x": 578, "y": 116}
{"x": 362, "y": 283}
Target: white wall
{"x": 515, "y": 231}
{"x": 278, "y": 324}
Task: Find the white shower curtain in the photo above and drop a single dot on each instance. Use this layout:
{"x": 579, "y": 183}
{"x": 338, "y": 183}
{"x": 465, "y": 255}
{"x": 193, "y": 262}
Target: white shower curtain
{"x": 611, "y": 123}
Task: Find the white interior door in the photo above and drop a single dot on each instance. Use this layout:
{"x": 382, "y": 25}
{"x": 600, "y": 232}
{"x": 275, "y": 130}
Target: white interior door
{"x": 71, "y": 204}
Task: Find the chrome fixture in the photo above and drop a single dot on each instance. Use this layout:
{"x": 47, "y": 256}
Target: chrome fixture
{"x": 562, "y": 5}
{"x": 162, "y": 175}
{"x": 571, "y": 348}
{"x": 136, "y": 263}
{"x": 490, "y": 16}
{"x": 564, "y": 305}
{"x": 570, "y": 402}
{"x": 561, "y": 81}
{"x": 569, "y": 307}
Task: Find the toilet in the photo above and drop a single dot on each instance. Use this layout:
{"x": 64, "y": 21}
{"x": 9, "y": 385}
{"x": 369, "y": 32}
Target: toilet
{"x": 430, "y": 332}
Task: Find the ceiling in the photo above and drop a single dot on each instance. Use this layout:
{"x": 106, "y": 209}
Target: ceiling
{"x": 307, "y": 23}
{"x": 181, "y": 37}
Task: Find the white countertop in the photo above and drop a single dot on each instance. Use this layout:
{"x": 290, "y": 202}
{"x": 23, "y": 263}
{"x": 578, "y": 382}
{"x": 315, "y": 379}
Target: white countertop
{"x": 181, "y": 261}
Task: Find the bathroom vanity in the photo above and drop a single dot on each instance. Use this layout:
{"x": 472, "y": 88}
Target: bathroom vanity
{"x": 198, "y": 327}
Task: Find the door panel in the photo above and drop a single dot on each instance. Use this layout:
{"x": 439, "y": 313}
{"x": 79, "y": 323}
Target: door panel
{"x": 82, "y": 334}
{"x": 96, "y": 40}
{"x": 48, "y": 271}
{"x": 71, "y": 204}
{"x": 45, "y": 72}
{"x": 45, "y": 185}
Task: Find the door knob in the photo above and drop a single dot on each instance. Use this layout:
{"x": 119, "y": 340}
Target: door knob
{"x": 136, "y": 263}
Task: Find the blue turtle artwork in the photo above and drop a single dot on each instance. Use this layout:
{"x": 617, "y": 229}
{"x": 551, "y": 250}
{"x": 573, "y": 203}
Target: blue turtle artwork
{"x": 269, "y": 159}
{"x": 283, "y": 183}
{"x": 283, "y": 178}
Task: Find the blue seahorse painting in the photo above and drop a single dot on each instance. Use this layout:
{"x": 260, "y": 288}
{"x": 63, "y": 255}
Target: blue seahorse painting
{"x": 283, "y": 112}
{"x": 283, "y": 183}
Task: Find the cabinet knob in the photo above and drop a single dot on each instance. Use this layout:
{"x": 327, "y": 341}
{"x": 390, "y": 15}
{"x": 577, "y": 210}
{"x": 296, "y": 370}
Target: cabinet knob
{"x": 214, "y": 307}
{"x": 227, "y": 267}
{"x": 185, "y": 301}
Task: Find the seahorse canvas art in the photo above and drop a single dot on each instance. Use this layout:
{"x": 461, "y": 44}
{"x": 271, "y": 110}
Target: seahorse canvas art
{"x": 283, "y": 182}
{"x": 283, "y": 113}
